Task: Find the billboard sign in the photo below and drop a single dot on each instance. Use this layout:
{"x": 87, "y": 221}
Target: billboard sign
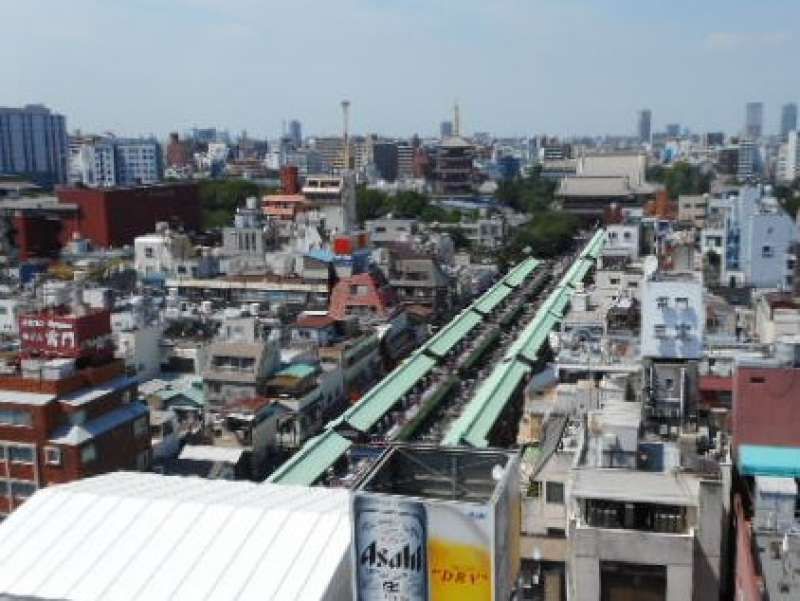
{"x": 65, "y": 335}
{"x": 430, "y": 549}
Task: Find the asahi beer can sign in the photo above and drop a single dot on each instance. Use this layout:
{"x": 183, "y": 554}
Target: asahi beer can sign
{"x": 390, "y": 549}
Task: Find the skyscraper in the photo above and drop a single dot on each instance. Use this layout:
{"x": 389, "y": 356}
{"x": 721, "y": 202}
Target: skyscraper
{"x": 645, "y": 122}
{"x": 788, "y": 119}
{"x": 296, "y": 133}
{"x": 446, "y": 129}
{"x": 33, "y": 142}
{"x": 754, "y": 120}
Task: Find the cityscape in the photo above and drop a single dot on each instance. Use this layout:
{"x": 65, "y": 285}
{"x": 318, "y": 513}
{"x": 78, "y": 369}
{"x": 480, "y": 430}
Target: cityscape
{"x": 326, "y": 363}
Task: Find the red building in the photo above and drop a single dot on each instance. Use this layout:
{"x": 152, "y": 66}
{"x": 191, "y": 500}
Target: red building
{"x": 36, "y": 227}
{"x": 766, "y": 406}
{"x": 363, "y": 295}
{"x": 111, "y": 217}
{"x": 67, "y": 410}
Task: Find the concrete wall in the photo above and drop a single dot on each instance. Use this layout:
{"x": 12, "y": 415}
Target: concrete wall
{"x": 590, "y": 546}
{"x": 671, "y": 316}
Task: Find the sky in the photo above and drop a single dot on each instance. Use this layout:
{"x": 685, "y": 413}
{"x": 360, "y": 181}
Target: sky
{"x": 516, "y": 67}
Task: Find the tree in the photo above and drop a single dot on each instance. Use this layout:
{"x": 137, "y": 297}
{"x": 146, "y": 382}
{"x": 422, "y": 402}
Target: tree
{"x": 681, "y": 178}
{"x": 219, "y": 199}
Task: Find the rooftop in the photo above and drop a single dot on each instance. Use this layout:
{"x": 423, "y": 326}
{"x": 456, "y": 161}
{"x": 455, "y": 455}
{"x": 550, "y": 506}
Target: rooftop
{"x": 616, "y": 484}
{"x": 148, "y": 536}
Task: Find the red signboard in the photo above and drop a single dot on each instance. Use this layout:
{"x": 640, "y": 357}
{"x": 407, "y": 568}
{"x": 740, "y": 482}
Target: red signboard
{"x": 65, "y": 335}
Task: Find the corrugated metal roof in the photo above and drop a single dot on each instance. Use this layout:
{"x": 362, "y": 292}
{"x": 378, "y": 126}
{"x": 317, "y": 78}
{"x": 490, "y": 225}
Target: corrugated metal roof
{"x": 584, "y": 266}
{"x": 381, "y": 397}
{"x": 81, "y": 433}
{"x": 560, "y": 302}
{"x": 486, "y": 303}
{"x": 521, "y": 272}
{"x": 764, "y": 460}
{"x": 452, "y": 333}
{"x": 310, "y": 462}
{"x": 476, "y": 422}
{"x": 127, "y": 536}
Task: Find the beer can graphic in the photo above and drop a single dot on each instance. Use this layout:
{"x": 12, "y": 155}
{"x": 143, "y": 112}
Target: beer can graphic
{"x": 390, "y": 549}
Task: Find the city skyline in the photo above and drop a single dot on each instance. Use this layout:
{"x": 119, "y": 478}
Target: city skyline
{"x": 233, "y": 65}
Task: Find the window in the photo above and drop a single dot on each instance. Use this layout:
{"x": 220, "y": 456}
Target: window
{"x": 88, "y": 454}
{"x": 682, "y": 302}
{"x": 614, "y": 281}
{"x": 669, "y": 384}
{"x": 683, "y": 330}
{"x": 633, "y": 284}
{"x": 20, "y": 454}
{"x": 15, "y": 417}
{"x": 766, "y": 252}
{"x": 52, "y": 456}
{"x": 535, "y": 489}
{"x": 22, "y": 490}
{"x": 662, "y": 302}
{"x": 141, "y": 427}
{"x": 757, "y": 380}
{"x": 660, "y": 331}
{"x": 148, "y": 252}
{"x": 555, "y": 493}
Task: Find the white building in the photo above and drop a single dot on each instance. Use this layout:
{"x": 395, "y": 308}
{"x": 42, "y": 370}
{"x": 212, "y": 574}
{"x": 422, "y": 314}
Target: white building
{"x": 107, "y": 162}
{"x": 622, "y": 239}
{"x": 673, "y": 316}
{"x": 137, "y": 341}
{"x": 164, "y": 254}
{"x": 334, "y": 202}
{"x": 10, "y": 308}
{"x": 789, "y": 159}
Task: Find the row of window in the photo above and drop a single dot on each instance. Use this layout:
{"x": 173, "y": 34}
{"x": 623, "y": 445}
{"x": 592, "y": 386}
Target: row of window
{"x": 681, "y": 302}
{"x": 17, "y": 488}
{"x": 15, "y": 417}
{"x": 682, "y": 330}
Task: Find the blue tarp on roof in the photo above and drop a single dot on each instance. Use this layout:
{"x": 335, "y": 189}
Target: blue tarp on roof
{"x": 763, "y": 460}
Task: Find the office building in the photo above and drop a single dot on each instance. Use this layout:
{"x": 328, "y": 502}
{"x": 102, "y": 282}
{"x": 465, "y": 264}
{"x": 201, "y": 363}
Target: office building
{"x": 384, "y": 157}
{"x": 296, "y": 133}
{"x": 788, "y": 119}
{"x": 33, "y": 142}
{"x": 754, "y": 120}
{"x": 107, "y": 162}
{"x": 644, "y": 125}
{"x": 788, "y": 167}
{"x": 749, "y": 160}
{"x": 405, "y": 161}
{"x": 673, "y": 130}
{"x": 446, "y": 129}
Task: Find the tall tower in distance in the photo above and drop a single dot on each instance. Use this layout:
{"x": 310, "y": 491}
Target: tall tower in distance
{"x": 456, "y": 120}
{"x": 296, "y": 133}
{"x": 788, "y": 119}
{"x": 754, "y": 120}
{"x": 644, "y": 125}
{"x": 345, "y": 132}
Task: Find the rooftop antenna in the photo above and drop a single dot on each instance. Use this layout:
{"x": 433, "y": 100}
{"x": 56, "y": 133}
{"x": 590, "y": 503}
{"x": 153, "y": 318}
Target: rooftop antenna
{"x": 346, "y": 120}
{"x": 456, "y": 120}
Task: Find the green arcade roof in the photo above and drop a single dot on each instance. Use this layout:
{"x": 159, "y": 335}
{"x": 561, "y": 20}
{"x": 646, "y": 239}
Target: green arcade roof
{"x": 310, "y": 462}
{"x": 492, "y": 298}
{"x": 453, "y": 333}
{"x": 521, "y": 272}
{"x": 382, "y": 397}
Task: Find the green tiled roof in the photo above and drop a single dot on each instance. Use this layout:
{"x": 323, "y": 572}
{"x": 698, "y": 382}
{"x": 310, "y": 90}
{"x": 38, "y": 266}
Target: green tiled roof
{"x": 310, "y": 462}
{"x": 452, "y": 333}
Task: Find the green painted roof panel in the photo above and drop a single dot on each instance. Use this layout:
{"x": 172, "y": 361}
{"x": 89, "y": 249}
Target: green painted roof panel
{"x": 482, "y": 412}
{"x": 532, "y": 346}
{"x": 309, "y": 463}
{"x": 381, "y": 397}
{"x": 486, "y": 303}
{"x": 521, "y": 272}
{"x": 452, "y": 333}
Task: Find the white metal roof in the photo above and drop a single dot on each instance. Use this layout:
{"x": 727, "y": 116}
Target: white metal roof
{"x": 634, "y": 486}
{"x": 128, "y": 536}
{"x": 204, "y": 452}
{"x": 25, "y": 398}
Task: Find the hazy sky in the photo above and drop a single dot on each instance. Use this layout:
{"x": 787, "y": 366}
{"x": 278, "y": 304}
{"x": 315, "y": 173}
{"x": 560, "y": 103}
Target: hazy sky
{"x": 516, "y": 66}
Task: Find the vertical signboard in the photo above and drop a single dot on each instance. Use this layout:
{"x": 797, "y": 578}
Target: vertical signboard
{"x": 411, "y": 550}
{"x": 390, "y": 549}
